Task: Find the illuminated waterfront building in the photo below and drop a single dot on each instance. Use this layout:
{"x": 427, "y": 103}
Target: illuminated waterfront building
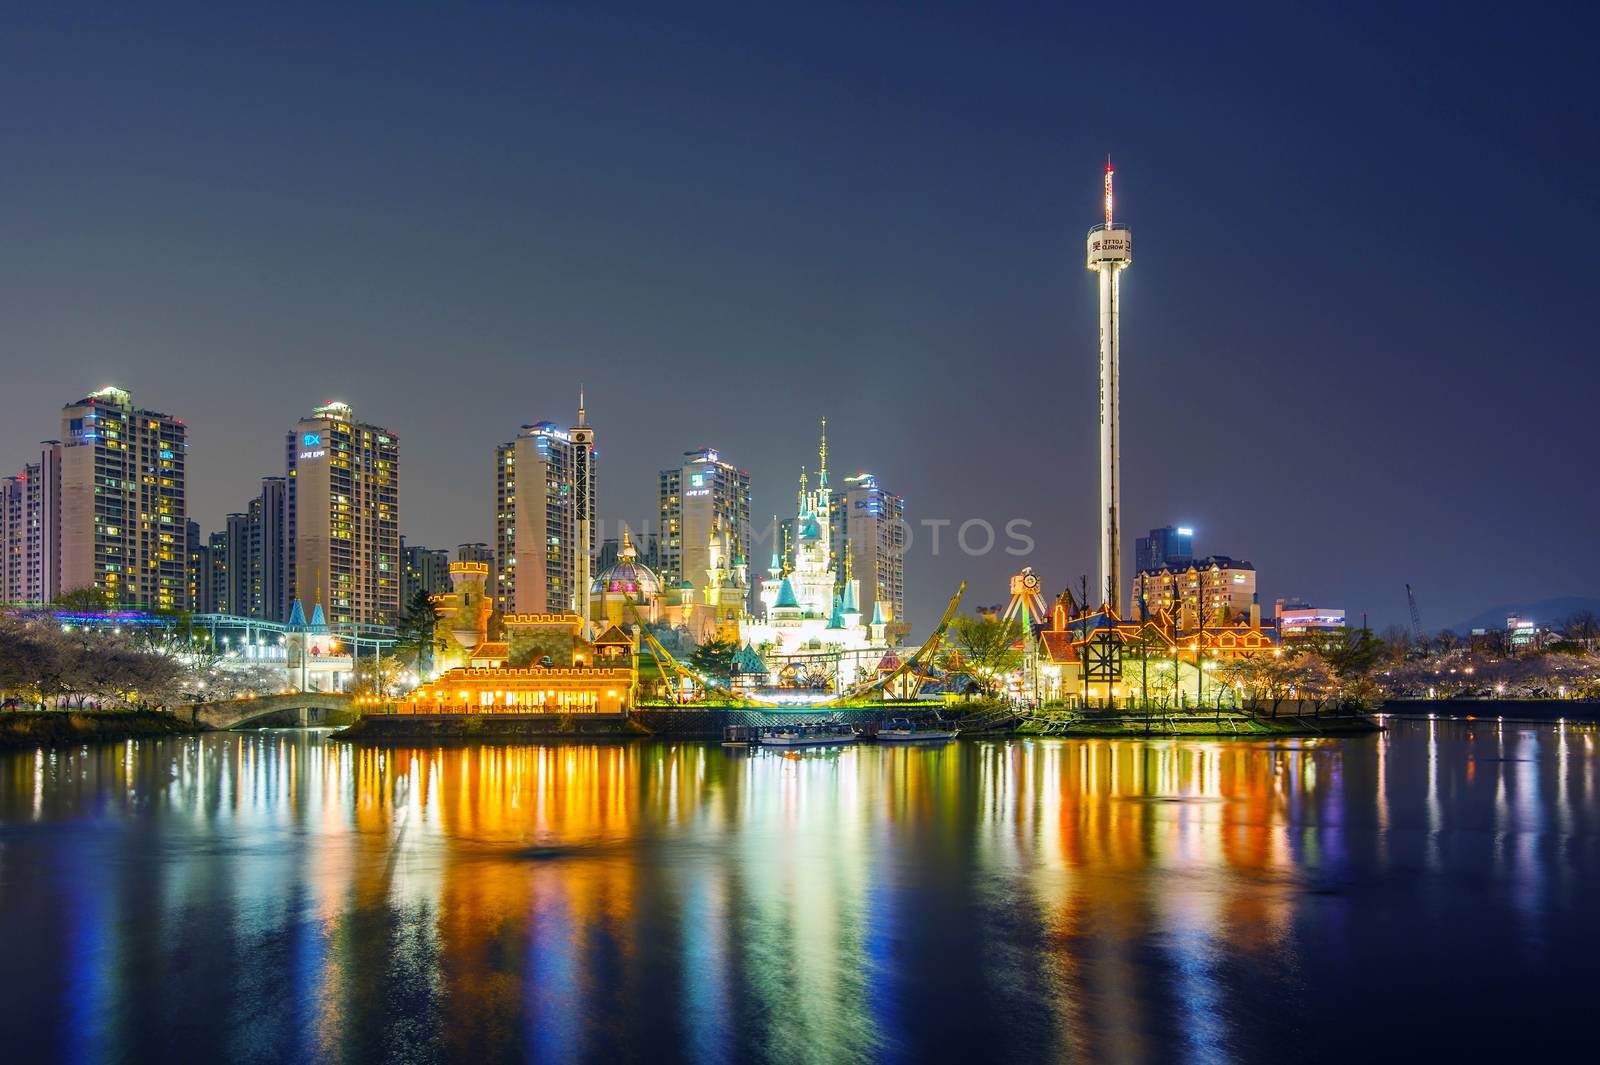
{"x": 1223, "y": 588}
{"x": 1096, "y": 658}
{"x": 540, "y": 520}
{"x": 344, "y": 513}
{"x": 1295, "y": 618}
{"x": 517, "y": 662}
{"x": 124, "y": 523}
{"x": 1522, "y": 634}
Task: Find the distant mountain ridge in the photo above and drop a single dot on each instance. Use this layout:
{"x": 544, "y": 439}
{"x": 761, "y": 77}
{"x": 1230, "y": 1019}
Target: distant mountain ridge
{"x": 1544, "y": 611}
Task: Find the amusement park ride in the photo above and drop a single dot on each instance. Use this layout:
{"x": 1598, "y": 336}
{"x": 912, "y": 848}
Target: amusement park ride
{"x": 1027, "y": 609}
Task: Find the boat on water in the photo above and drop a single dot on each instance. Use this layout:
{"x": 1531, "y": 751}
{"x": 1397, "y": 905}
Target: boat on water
{"x": 823, "y": 734}
{"x": 903, "y": 731}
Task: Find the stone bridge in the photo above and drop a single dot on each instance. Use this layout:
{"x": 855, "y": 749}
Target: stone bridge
{"x": 298, "y": 708}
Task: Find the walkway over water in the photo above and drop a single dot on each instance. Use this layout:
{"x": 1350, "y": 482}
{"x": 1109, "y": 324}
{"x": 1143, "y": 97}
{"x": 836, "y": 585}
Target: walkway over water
{"x": 311, "y": 708}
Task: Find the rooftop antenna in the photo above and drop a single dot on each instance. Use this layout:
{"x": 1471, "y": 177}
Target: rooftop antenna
{"x": 582, "y": 414}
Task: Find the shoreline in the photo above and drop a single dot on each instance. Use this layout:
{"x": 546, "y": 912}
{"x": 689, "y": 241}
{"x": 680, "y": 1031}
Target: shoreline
{"x": 1204, "y": 726}
{"x": 388, "y": 729}
{"x": 1532, "y": 711}
{"x": 21, "y": 729}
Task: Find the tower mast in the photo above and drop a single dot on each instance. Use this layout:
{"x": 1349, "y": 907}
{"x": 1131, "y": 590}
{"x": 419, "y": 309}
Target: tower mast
{"x": 582, "y": 436}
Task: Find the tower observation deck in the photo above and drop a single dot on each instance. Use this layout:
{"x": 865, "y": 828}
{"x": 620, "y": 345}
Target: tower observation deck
{"x": 1110, "y": 251}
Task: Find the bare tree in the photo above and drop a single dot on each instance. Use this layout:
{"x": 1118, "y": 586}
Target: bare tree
{"x": 1397, "y": 642}
{"x": 1583, "y": 628}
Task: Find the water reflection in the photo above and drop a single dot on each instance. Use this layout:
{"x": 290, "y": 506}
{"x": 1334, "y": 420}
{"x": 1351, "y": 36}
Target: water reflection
{"x": 280, "y": 896}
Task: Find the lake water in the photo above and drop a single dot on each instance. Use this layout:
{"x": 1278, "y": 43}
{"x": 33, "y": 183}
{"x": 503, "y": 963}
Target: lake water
{"x": 281, "y": 896}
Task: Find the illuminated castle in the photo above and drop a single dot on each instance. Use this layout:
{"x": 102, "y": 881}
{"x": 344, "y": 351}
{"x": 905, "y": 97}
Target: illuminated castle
{"x": 519, "y": 663}
{"x": 805, "y": 606}
{"x": 316, "y": 660}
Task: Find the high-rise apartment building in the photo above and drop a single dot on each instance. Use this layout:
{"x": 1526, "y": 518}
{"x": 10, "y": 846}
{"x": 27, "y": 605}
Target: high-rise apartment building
{"x": 423, "y": 569}
{"x": 217, "y": 579}
{"x": 13, "y": 523}
{"x": 1163, "y": 547}
{"x": 544, "y": 496}
{"x": 30, "y": 530}
{"x": 477, "y": 552}
{"x": 270, "y": 596}
{"x": 241, "y": 546}
{"x": 343, "y": 507}
{"x": 869, "y": 530}
{"x": 704, "y": 514}
{"x": 201, "y": 599}
{"x": 123, "y": 529}
{"x": 244, "y": 569}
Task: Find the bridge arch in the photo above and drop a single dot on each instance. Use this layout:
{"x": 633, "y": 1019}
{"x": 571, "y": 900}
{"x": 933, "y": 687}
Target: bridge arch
{"x": 308, "y": 708}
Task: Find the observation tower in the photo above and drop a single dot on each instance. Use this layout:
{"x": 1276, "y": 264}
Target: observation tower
{"x": 1110, "y": 251}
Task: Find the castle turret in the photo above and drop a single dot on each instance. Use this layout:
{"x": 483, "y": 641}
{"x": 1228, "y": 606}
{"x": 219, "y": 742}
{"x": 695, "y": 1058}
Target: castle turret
{"x": 879, "y": 626}
{"x": 470, "y": 622}
{"x": 850, "y": 607}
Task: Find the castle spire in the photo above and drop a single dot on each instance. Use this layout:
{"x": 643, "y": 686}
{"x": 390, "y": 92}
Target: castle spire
{"x": 822, "y": 455}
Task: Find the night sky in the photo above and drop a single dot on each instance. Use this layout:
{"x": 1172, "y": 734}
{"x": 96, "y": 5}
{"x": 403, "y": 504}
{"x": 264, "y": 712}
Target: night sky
{"x": 1359, "y": 333}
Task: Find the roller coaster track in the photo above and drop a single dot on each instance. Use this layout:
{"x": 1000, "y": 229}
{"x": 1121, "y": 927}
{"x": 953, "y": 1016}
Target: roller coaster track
{"x": 670, "y": 665}
{"x": 911, "y": 666}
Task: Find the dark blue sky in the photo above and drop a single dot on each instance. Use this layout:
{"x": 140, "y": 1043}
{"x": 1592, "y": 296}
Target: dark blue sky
{"x": 1359, "y": 344}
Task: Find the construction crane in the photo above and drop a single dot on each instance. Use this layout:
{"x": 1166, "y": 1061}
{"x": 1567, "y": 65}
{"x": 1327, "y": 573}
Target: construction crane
{"x": 1416, "y": 619}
